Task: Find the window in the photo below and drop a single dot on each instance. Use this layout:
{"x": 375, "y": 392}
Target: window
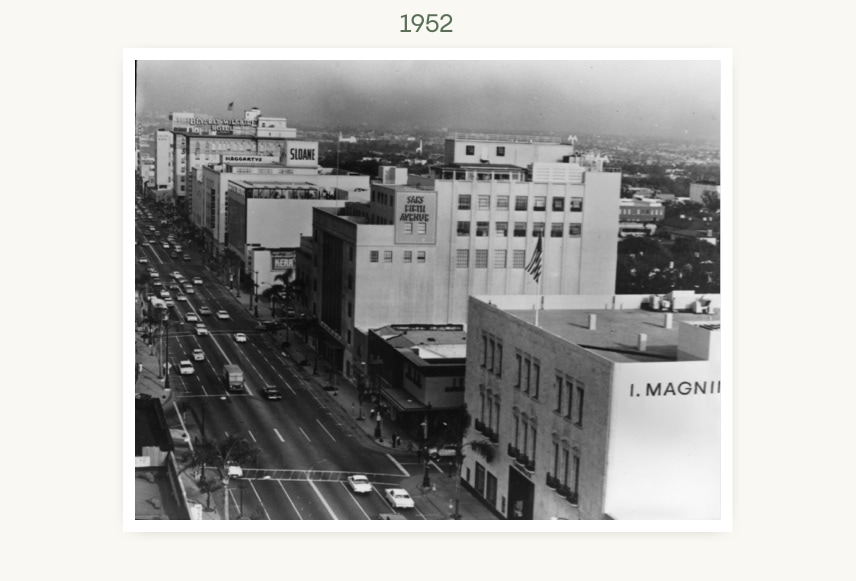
{"x": 578, "y": 411}
{"x": 520, "y": 229}
{"x": 421, "y": 228}
{"x": 520, "y": 203}
{"x": 420, "y": 256}
{"x": 533, "y": 442}
{"x": 569, "y": 386}
{"x": 373, "y": 256}
{"x": 502, "y": 202}
{"x": 527, "y": 374}
{"x": 484, "y": 202}
{"x": 481, "y": 399}
{"x": 575, "y": 229}
{"x": 480, "y": 472}
{"x": 576, "y": 474}
{"x": 490, "y": 489}
{"x": 484, "y": 352}
{"x": 464, "y": 202}
{"x": 576, "y": 204}
{"x": 502, "y": 229}
{"x": 408, "y": 227}
{"x": 408, "y": 256}
{"x": 482, "y": 228}
{"x": 463, "y": 228}
{"x": 500, "y": 151}
{"x": 540, "y": 203}
{"x": 350, "y": 310}
{"x": 463, "y": 259}
{"x": 497, "y": 366}
{"x": 559, "y": 389}
{"x": 556, "y": 230}
{"x": 495, "y": 426}
{"x": 565, "y": 466}
{"x": 489, "y": 421}
{"x": 518, "y": 259}
{"x": 556, "y": 459}
{"x": 351, "y": 253}
{"x": 536, "y": 384}
{"x": 471, "y": 150}
{"x": 350, "y": 282}
{"x": 481, "y": 258}
{"x": 499, "y": 258}
{"x": 519, "y": 358}
{"x": 558, "y": 204}
{"x": 516, "y": 430}
{"x": 387, "y": 255}
{"x": 537, "y": 229}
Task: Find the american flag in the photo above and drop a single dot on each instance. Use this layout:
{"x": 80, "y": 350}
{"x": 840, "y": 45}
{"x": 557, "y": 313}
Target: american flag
{"x": 534, "y": 266}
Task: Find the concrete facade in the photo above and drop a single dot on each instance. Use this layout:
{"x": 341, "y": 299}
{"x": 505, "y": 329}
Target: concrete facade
{"x": 594, "y": 422}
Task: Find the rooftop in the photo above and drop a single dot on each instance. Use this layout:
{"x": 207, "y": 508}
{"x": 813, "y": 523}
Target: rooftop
{"x": 617, "y": 331}
{"x": 505, "y": 137}
{"x": 430, "y": 343}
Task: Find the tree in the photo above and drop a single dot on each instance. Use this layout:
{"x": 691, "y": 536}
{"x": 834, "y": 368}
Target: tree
{"x": 710, "y": 201}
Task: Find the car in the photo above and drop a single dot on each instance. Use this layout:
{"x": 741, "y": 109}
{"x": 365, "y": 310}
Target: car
{"x": 290, "y": 312}
{"x": 359, "y": 483}
{"x": 146, "y": 243}
{"x": 165, "y": 245}
{"x": 201, "y": 329}
{"x": 447, "y": 451}
{"x": 192, "y": 317}
{"x": 391, "y": 516}
{"x": 164, "y": 294}
{"x": 203, "y": 310}
{"x": 174, "y": 287}
{"x": 399, "y": 498}
{"x": 186, "y": 257}
{"x": 185, "y": 367}
{"x": 271, "y": 393}
{"x": 223, "y": 315}
{"x": 151, "y": 228}
{"x": 173, "y": 255}
{"x": 157, "y": 284}
{"x": 171, "y": 237}
{"x": 240, "y": 338}
{"x": 198, "y": 355}
{"x": 143, "y": 260}
{"x": 154, "y": 274}
{"x": 169, "y": 303}
{"x": 181, "y": 297}
{"x": 188, "y": 288}
{"x": 197, "y": 280}
{"x": 176, "y": 274}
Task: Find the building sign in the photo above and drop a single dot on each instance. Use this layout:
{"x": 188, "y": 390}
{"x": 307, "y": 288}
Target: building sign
{"x": 282, "y": 259}
{"x": 415, "y": 217}
{"x": 224, "y": 122}
{"x": 245, "y": 158}
{"x": 301, "y": 153}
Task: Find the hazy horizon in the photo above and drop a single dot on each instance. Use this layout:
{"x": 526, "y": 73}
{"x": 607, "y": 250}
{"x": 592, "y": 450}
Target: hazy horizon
{"x": 671, "y": 99}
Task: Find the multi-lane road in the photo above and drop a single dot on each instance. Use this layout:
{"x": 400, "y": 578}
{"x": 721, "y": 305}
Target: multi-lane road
{"x": 308, "y": 448}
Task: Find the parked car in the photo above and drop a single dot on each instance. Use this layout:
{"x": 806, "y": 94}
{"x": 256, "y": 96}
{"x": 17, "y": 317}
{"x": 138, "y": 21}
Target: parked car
{"x": 447, "y": 451}
{"x": 359, "y": 483}
{"x": 399, "y": 498}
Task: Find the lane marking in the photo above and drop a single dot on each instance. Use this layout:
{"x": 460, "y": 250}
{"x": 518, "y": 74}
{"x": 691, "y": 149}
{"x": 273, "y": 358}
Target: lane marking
{"x": 281, "y": 439}
{"x": 304, "y": 433}
{"x": 325, "y": 429}
{"x": 262, "y": 504}
{"x": 250, "y": 432}
{"x": 323, "y": 500}
{"x": 434, "y": 464}
{"x": 354, "y": 498}
{"x": 420, "y": 512}
{"x": 397, "y": 465}
{"x": 294, "y": 506}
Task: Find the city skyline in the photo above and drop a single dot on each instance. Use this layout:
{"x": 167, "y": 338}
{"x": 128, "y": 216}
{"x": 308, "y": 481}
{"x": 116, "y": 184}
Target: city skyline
{"x": 670, "y": 99}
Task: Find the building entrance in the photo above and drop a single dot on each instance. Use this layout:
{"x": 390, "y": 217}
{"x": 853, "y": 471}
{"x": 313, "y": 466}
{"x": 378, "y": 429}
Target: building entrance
{"x": 521, "y": 496}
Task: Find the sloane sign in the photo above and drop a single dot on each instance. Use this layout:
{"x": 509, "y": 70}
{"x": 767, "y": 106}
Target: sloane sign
{"x": 301, "y": 153}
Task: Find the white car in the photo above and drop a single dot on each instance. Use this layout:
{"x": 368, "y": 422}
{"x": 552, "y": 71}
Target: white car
{"x": 197, "y": 280}
{"x": 165, "y": 294}
{"x": 198, "y": 355}
{"x": 192, "y": 317}
{"x": 154, "y": 274}
{"x": 181, "y": 298}
{"x": 143, "y": 260}
{"x": 240, "y": 338}
{"x": 201, "y": 329}
{"x": 399, "y": 498}
{"x": 359, "y": 483}
{"x": 170, "y": 303}
{"x": 223, "y": 315}
{"x": 185, "y": 367}
{"x": 189, "y": 289}
{"x": 203, "y": 310}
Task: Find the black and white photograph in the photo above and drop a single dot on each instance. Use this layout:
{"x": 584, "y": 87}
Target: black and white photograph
{"x": 464, "y": 290}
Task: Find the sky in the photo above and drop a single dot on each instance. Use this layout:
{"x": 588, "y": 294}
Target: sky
{"x": 674, "y": 99}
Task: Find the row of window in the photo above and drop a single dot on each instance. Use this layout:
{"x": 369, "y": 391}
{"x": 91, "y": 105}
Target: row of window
{"x": 489, "y": 410}
{"x": 570, "y": 396}
{"x": 641, "y": 211}
{"x": 492, "y": 349}
{"x": 421, "y": 227}
{"x": 525, "y": 436}
{"x": 566, "y": 468}
{"x": 521, "y": 203}
{"x": 500, "y": 150}
{"x": 374, "y": 256}
{"x": 501, "y": 229}
{"x": 528, "y": 374}
{"x": 500, "y": 259}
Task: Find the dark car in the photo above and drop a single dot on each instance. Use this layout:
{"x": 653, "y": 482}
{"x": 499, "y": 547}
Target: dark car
{"x": 271, "y": 393}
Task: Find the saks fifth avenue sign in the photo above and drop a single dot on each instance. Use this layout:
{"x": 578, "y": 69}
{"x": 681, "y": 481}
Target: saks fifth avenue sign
{"x": 675, "y": 389}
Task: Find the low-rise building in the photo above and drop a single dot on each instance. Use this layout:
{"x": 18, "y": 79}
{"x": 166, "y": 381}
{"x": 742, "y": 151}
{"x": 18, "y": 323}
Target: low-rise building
{"x": 605, "y": 408}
